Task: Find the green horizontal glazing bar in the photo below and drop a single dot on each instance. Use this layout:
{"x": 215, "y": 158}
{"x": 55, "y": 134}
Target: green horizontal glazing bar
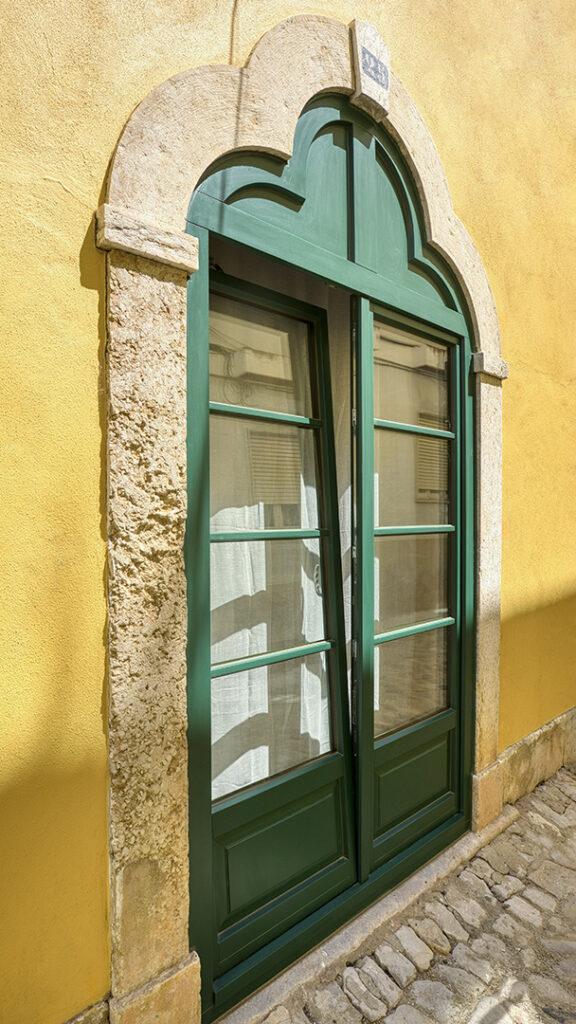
{"x": 421, "y": 627}
{"x": 227, "y": 668}
{"x": 263, "y": 414}
{"x": 220, "y": 538}
{"x": 411, "y": 428}
{"x": 398, "y": 531}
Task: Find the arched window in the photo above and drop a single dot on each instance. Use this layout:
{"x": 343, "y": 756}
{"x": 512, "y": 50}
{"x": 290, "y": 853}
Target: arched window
{"x": 332, "y": 539}
{"x": 330, "y": 307}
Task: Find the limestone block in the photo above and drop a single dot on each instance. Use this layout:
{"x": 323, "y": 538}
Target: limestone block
{"x": 147, "y": 612}
{"x": 532, "y": 760}
{"x": 570, "y": 738}
{"x": 172, "y": 998}
{"x": 119, "y": 228}
{"x": 371, "y": 70}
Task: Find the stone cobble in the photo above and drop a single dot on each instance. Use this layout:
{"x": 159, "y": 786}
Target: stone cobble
{"x": 493, "y": 943}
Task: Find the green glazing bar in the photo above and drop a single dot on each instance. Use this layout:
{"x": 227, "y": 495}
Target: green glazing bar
{"x": 263, "y": 414}
{"x": 219, "y": 538}
{"x": 421, "y": 627}
{"x": 227, "y": 668}
{"x": 410, "y": 428}
{"x": 398, "y": 531}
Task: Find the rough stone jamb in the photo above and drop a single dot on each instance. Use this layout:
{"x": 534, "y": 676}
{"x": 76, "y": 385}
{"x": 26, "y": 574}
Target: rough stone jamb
{"x": 169, "y": 142}
{"x": 146, "y": 369}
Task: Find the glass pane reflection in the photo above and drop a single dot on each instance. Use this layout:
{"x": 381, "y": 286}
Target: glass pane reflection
{"x": 411, "y": 474}
{"x": 410, "y": 580}
{"x": 410, "y": 378}
{"x": 265, "y": 596}
{"x": 410, "y": 679}
{"x": 258, "y": 358}
{"x": 261, "y": 475}
{"x": 267, "y": 720}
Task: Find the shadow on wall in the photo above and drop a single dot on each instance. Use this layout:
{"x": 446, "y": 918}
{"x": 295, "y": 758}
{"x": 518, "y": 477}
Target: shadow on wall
{"x": 53, "y": 805}
{"x": 537, "y": 668}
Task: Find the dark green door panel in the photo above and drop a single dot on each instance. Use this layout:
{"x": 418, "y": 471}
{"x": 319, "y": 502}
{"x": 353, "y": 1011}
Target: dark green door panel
{"x": 281, "y": 850}
{"x": 411, "y": 782}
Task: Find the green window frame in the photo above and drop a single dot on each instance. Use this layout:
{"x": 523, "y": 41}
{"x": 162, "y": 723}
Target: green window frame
{"x": 230, "y": 204}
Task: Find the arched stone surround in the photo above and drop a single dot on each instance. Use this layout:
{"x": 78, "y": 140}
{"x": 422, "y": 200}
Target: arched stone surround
{"x": 172, "y": 137}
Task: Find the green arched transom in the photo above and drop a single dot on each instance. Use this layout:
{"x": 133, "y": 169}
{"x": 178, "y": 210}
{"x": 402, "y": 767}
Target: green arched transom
{"x": 343, "y": 207}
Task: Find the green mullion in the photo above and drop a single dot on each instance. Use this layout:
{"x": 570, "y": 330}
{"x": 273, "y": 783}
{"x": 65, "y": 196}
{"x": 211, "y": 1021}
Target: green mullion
{"x": 399, "y": 531}
{"x": 364, "y": 596}
{"x": 411, "y": 428}
{"x": 467, "y": 611}
{"x": 197, "y": 561}
{"x": 224, "y": 409}
{"x": 221, "y": 538}
{"x": 457, "y": 677}
{"x": 420, "y": 627}
{"x": 227, "y": 668}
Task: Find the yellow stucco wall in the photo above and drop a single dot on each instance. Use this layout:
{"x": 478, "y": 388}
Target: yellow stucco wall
{"x": 492, "y": 81}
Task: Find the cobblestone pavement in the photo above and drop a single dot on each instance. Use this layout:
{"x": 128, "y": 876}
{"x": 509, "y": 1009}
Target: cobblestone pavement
{"x": 492, "y": 943}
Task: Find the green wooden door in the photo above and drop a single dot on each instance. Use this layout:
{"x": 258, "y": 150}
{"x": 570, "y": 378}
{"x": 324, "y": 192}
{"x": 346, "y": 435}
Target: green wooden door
{"x": 282, "y": 814}
{"x": 318, "y": 780}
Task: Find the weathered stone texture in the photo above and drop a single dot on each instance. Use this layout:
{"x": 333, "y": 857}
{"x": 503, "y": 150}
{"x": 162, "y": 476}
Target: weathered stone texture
{"x": 173, "y": 998}
{"x": 119, "y": 228}
{"x": 147, "y": 610}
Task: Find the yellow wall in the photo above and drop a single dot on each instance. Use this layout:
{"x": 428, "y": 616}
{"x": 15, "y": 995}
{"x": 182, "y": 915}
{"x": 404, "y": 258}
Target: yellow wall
{"x": 492, "y": 81}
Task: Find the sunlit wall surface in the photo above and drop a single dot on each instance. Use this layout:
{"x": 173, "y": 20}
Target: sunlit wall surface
{"x": 493, "y": 83}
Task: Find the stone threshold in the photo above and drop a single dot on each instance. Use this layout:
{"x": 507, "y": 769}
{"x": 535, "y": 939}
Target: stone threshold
{"x": 361, "y": 935}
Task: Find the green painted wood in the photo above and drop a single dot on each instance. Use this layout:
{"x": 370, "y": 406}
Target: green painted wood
{"x": 413, "y": 428}
{"x": 228, "y": 222}
{"x": 393, "y": 844}
{"x": 226, "y": 668}
{"x": 246, "y": 916}
{"x": 420, "y": 627}
{"x": 238, "y": 982}
{"x": 347, "y": 171}
{"x": 247, "y": 535}
{"x": 400, "y": 531}
{"x": 271, "y": 857}
{"x": 263, "y": 414}
{"x": 387, "y": 748}
{"x": 197, "y": 562}
{"x": 229, "y": 813}
{"x": 409, "y": 783}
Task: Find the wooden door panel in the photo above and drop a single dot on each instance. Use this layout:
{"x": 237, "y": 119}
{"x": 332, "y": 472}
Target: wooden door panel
{"x": 409, "y": 783}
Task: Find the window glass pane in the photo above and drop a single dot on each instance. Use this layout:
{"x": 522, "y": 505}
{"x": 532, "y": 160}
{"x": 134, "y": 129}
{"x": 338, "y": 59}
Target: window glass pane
{"x": 411, "y": 476}
{"x": 258, "y": 359}
{"x": 265, "y": 596}
{"x": 262, "y": 475}
{"x": 410, "y": 379}
{"x": 410, "y": 679}
{"x": 267, "y": 720}
{"x": 410, "y": 580}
